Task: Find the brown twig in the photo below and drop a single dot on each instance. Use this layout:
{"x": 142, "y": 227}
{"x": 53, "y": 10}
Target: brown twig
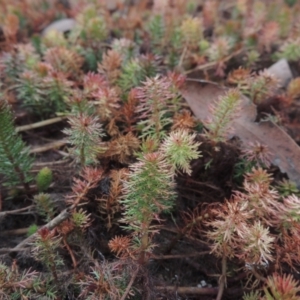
{"x": 175, "y": 256}
{"x": 48, "y": 146}
{"x": 222, "y": 278}
{"x": 52, "y": 224}
{"x": 18, "y": 231}
{"x": 190, "y": 290}
{"x": 182, "y": 57}
{"x": 130, "y": 284}
{"x": 214, "y": 63}
{"x": 15, "y": 211}
{"x": 39, "y": 124}
{"x": 258, "y": 276}
{"x": 49, "y": 163}
{"x": 70, "y": 251}
{"x": 8, "y": 250}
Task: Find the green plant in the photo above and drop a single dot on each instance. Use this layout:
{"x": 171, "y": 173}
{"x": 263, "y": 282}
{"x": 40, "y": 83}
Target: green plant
{"x": 149, "y": 189}
{"x": 159, "y": 101}
{"x": 131, "y": 76}
{"x": 44, "y": 205}
{"x": 15, "y": 285}
{"x": 287, "y": 188}
{"x": 15, "y": 161}
{"x": 153, "y": 108}
{"x": 262, "y": 86}
{"x": 31, "y": 92}
{"x": 111, "y": 71}
{"x": 281, "y": 288}
{"x": 32, "y": 229}
{"x": 156, "y": 28}
{"x": 289, "y": 50}
{"x": 222, "y": 113}
{"x": 252, "y": 296}
{"x": 191, "y": 31}
{"x": 84, "y": 135}
{"x": 148, "y": 192}
{"x": 104, "y": 282}
{"x": 44, "y": 179}
{"x": 45, "y": 250}
{"x": 11, "y": 66}
{"x": 180, "y": 148}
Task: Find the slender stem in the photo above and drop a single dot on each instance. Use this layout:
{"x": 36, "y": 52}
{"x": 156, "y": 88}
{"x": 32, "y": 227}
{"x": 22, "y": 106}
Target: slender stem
{"x": 182, "y": 57}
{"x": 70, "y": 251}
{"x": 258, "y": 276}
{"x": 145, "y": 242}
{"x": 82, "y": 156}
{"x": 130, "y": 284}
{"x": 222, "y": 278}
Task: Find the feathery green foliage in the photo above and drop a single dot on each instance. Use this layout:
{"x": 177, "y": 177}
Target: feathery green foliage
{"x": 252, "y": 296}
{"x": 223, "y": 112}
{"x": 57, "y": 90}
{"x": 149, "y": 191}
{"x": 126, "y": 48}
{"x": 84, "y": 135}
{"x": 45, "y": 250}
{"x": 156, "y": 28}
{"x": 289, "y": 50}
{"x": 15, "y": 285}
{"x": 131, "y": 46}
{"x": 44, "y": 205}
{"x": 282, "y": 287}
{"x": 15, "y": 161}
{"x": 11, "y": 65}
{"x": 131, "y": 76}
{"x": 153, "y": 107}
{"x": 180, "y": 148}
{"x": 31, "y": 92}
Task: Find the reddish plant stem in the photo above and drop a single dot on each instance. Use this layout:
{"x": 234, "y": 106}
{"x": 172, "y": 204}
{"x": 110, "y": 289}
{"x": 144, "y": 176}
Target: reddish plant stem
{"x": 222, "y": 278}
{"x": 130, "y": 284}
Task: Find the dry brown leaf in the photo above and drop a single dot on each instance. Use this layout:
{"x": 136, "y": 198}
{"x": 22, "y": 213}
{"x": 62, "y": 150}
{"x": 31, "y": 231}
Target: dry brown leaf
{"x": 286, "y": 153}
{"x": 62, "y": 25}
{"x": 281, "y": 70}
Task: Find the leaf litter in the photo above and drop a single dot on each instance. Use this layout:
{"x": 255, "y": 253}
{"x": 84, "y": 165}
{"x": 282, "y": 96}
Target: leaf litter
{"x": 285, "y": 151}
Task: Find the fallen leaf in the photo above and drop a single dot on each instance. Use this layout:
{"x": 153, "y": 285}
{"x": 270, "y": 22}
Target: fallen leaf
{"x": 286, "y": 153}
{"x": 281, "y": 70}
{"x": 62, "y": 25}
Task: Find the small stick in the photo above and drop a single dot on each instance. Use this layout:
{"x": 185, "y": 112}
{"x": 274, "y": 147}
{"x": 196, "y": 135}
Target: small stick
{"x": 15, "y": 211}
{"x": 213, "y": 63}
{"x": 182, "y": 57}
{"x": 222, "y": 278}
{"x": 18, "y": 231}
{"x": 174, "y": 256}
{"x": 49, "y": 146}
{"x": 182, "y": 290}
{"x": 50, "y": 163}
{"x": 53, "y": 223}
{"x": 39, "y": 124}
{"x": 130, "y": 284}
